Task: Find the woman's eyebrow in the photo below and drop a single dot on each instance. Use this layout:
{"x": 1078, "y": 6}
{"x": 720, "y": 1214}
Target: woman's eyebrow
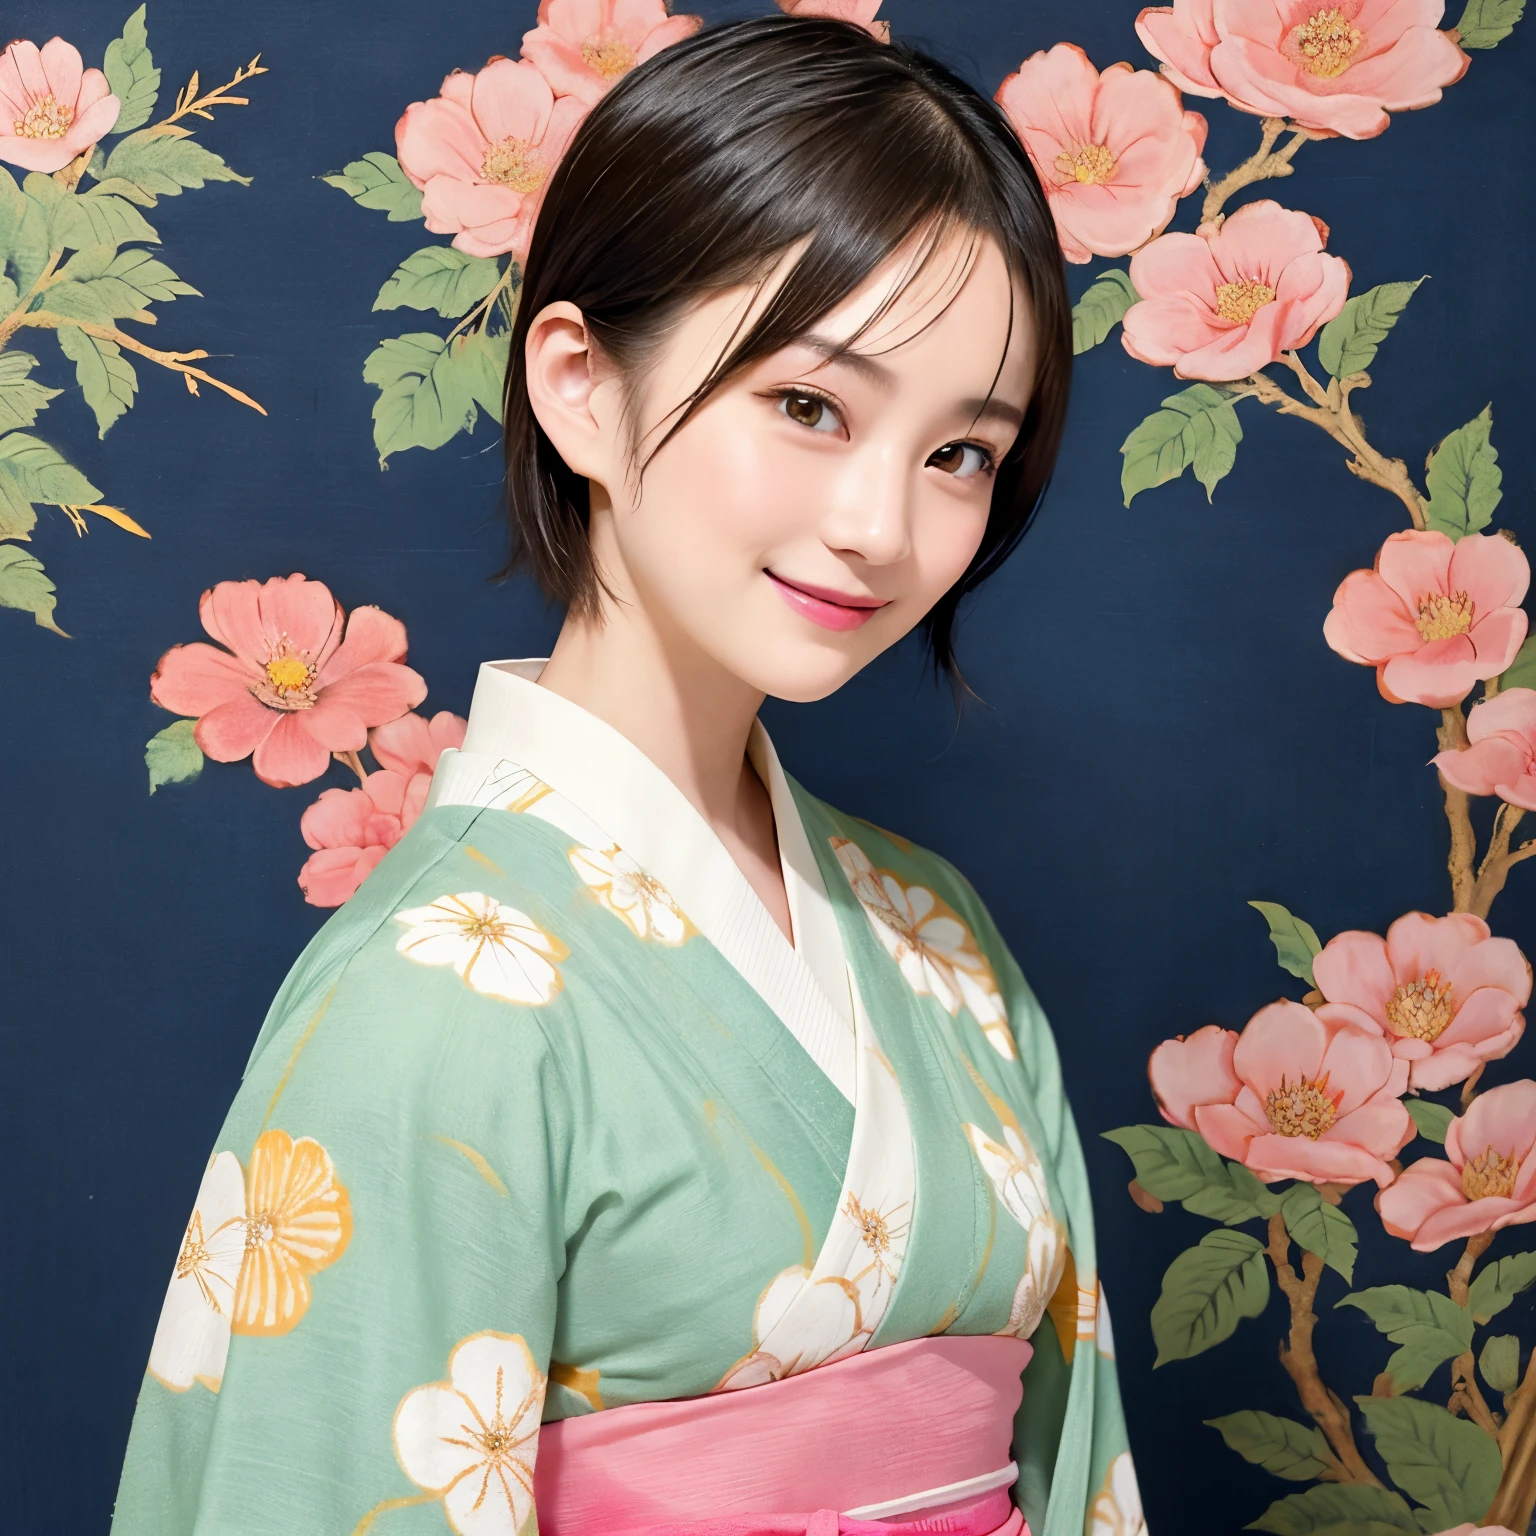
{"x": 884, "y": 379}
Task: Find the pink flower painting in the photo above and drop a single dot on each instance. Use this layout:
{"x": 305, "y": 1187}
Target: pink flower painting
{"x": 352, "y": 829}
{"x": 1331, "y": 68}
{"x": 860, "y": 12}
{"x": 1289, "y": 1097}
{"x": 1434, "y": 616}
{"x": 51, "y": 107}
{"x": 1227, "y": 300}
{"x": 483, "y": 151}
{"x": 1443, "y": 992}
{"x": 1115, "y": 151}
{"x": 1486, "y": 1180}
{"x": 1502, "y": 757}
{"x": 582, "y": 46}
{"x": 288, "y": 688}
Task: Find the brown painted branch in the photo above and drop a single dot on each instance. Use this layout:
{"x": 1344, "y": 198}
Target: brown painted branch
{"x": 1452, "y": 736}
{"x": 1466, "y": 1396}
{"x": 1300, "y": 1361}
{"x": 1266, "y": 161}
{"x": 1500, "y": 859}
{"x": 354, "y": 762}
{"x": 179, "y": 362}
{"x": 1469, "y": 1088}
{"x": 1344, "y": 427}
{"x": 1516, "y": 1499}
{"x": 18, "y": 316}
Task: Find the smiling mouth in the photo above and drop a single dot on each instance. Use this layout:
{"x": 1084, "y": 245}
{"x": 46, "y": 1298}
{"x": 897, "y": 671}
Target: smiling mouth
{"x": 824, "y": 606}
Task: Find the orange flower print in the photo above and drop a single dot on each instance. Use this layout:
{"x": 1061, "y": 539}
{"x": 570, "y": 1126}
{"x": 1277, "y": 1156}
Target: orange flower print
{"x": 298, "y": 1219}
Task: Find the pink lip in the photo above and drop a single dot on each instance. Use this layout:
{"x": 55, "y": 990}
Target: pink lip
{"x": 823, "y": 606}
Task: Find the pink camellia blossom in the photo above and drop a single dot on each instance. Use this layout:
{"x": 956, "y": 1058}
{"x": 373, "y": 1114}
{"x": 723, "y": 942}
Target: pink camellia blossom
{"x": 1486, "y": 1180}
{"x": 352, "y": 829}
{"x": 483, "y": 151}
{"x": 51, "y": 107}
{"x": 288, "y": 689}
{"x": 1115, "y": 151}
{"x": 860, "y": 12}
{"x": 582, "y": 46}
{"x": 1228, "y": 300}
{"x": 1502, "y": 758}
{"x": 1289, "y": 1097}
{"x": 1443, "y": 993}
{"x": 1331, "y": 68}
{"x": 1433, "y": 617}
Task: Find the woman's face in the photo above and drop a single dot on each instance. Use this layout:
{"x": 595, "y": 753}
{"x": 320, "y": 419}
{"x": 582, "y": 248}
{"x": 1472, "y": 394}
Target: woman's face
{"x": 813, "y": 510}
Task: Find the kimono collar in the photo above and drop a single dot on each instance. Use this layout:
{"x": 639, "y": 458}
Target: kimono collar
{"x": 605, "y": 775}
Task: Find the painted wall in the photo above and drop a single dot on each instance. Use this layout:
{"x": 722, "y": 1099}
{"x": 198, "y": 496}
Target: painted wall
{"x": 1163, "y": 733}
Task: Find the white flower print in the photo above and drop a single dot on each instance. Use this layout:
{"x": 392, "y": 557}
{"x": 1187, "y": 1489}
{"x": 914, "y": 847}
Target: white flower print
{"x": 497, "y": 950}
{"x": 639, "y": 900}
{"x": 472, "y": 1439}
{"x": 831, "y": 1325}
{"x": 192, "y": 1337}
{"x": 1019, "y": 1179}
{"x": 1104, "y": 1333}
{"x": 929, "y": 942}
{"x": 1117, "y": 1509}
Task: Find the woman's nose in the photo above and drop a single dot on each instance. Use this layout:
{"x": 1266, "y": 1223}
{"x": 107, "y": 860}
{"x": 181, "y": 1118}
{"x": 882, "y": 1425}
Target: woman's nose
{"x": 872, "y": 515}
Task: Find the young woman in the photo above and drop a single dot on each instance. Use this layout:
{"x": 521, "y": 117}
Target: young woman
{"x": 638, "y": 1093}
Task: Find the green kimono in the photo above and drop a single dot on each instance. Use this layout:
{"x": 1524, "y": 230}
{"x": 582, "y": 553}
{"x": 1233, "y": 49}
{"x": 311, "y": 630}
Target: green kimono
{"x": 550, "y": 1117}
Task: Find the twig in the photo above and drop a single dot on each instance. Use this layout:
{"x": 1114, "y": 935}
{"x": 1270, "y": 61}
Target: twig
{"x": 1452, "y": 736}
{"x": 13, "y": 322}
{"x": 480, "y": 315}
{"x": 1331, "y": 412}
{"x": 1513, "y": 1503}
{"x": 1466, "y": 1397}
{"x": 354, "y": 762}
{"x": 188, "y": 101}
{"x": 1300, "y": 1362}
{"x": 1264, "y": 162}
{"x": 1469, "y": 1088}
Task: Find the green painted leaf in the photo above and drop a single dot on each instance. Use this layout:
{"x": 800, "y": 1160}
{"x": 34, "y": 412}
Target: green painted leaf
{"x": 1521, "y": 672}
{"x": 104, "y": 375}
{"x": 1101, "y": 308}
{"x": 484, "y": 362}
{"x": 1348, "y": 342}
{"x": 1486, "y": 23}
{"x": 1282, "y": 1446}
{"x": 1175, "y": 1164}
{"x": 104, "y": 291}
{"x": 163, "y": 164}
{"x": 120, "y": 186}
{"x": 1206, "y": 1292}
{"x": 1295, "y": 941}
{"x": 24, "y": 585}
{"x": 21, "y": 398}
{"x": 9, "y": 294}
{"x": 13, "y": 206}
{"x": 376, "y": 181}
{"x": 31, "y": 471}
{"x": 73, "y": 222}
{"x": 1496, "y": 1285}
{"x": 1320, "y": 1228}
{"x": 1429, "y": 1327}
{"x": 172, "y": 756}
{"x": 1195, "y": 428}
{"x": 1338, "y": 1509}
{"x": 131, "y": 72}
{"x": 1447, "y": 1464}
{"x": 1463, "y": 479}
{"x": 1500, "y": 1362}
{"x": 441, "y": 278}
{"x": 429, "y": 389}
{"x": 26, "y": 244}
{"x": 149, "y": 275}
{"x": 1433, "y": 1120}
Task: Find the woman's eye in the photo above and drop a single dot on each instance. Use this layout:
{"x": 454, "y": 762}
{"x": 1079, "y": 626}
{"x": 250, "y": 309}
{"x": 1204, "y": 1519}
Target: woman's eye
{"x": 810, "y": 411}
{"x": 951, "y": 458}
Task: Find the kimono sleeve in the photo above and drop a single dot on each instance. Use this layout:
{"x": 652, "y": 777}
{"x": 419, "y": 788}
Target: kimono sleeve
{"x": 1075, "y": 1470}
{"x": 357, "y": 1329}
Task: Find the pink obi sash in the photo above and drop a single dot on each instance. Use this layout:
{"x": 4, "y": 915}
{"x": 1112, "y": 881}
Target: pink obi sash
{"x": 914, "y": 1437}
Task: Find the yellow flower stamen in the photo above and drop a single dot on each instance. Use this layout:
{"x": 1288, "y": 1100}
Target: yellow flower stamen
{"x": 1090, "y": 164}
{"x": 610, "y": 56}
{"x": 287, "y": 674}
{"x": 46, "y": 118}
{"x": 1302, "y": 1108}
{"x": 1239, "y": 302}
{"x": 1490, "y": 1176}
{"x": 514, "y": 163}
{"x": 1421, "y": 1009}
{"x": 1444, "y": 615}
{"x": 1325, "y": 44}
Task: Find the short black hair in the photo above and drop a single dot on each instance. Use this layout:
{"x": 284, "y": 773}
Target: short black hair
{"x": 700, "y": 168}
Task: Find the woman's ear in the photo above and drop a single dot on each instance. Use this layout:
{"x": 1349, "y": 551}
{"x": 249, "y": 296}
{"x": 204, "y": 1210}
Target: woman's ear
{"x": 566, "y": 376}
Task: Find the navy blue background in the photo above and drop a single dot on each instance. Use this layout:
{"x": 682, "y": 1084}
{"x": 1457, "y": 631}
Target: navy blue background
{"x": 1163, "y": 734}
